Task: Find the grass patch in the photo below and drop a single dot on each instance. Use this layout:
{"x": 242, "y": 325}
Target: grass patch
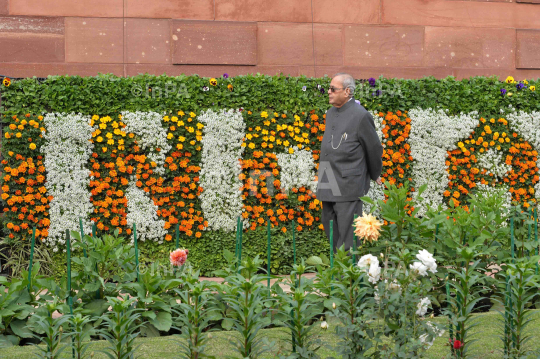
{"x": 488, "y": 346}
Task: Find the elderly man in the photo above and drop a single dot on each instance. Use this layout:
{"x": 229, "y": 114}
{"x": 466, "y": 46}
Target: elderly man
{"x": 351, "y": 156}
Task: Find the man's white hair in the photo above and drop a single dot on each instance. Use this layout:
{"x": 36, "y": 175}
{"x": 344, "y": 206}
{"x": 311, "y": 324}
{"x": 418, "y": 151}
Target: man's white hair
{"x": 348, "y": 81}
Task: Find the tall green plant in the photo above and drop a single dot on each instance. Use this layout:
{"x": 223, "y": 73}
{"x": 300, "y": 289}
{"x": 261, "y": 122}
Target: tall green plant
{"x": 355, "y": 309}
{"x": 53, "y": 329}
{"x": 121, "y": 328}
{"x": 193, "y": 317}
{"x": 468, "y": 289}
{"x": 110, "y": 262}
{"x": 81, "y": 331}
{"x": 154, "y": 294}
{"x": 300, "y": 309}
{"x": 247, "y": 300}
{"x": 517, "y": 289}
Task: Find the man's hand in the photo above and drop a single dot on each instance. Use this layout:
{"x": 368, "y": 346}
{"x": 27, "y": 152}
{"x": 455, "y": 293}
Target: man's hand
{"x": 379, "y": 181}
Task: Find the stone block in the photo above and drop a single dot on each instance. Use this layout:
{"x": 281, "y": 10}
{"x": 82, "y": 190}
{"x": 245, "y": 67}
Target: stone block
{"x": 460, "y": 13}
{"x": 87, "y": 8}
{"x": 31, "y": 47}
{"x": 528, "y": 49}
{"x": 148, "y": 41}
{"x": 4, "y": 7}
{"x": 285, "y": 44}
{"x": 266, "y": 10}
{"x": 35, "y": 25}
{"x": 379, "y": 46}
{"x": 328, "y": 44}
{"x": 346, "y": 11}
{"x": 214, "y": 42}
{"x": 94, "y": 40}
{"x": 469, "y": 47}
{"x": 171, "y": 9}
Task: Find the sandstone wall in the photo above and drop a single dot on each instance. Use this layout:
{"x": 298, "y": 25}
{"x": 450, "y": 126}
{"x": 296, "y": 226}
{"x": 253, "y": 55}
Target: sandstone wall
{"x": 395, "y": 38}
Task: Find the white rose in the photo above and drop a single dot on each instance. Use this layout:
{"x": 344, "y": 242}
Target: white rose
{"x": 324, "y": 325}
{"x": 419, "y": 268}
{"x": 368, "y": 260}
{"x": 374, "y": 273}
{"x": 427, "y": 259}
{"x": 423, "y": 306}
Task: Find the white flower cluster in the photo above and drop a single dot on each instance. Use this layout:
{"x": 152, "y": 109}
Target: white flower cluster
{"x": 297, "y": 169}
{"x": 370, "y": 264}
{"x": 427, "y": 263}
{"x": 432, "y": 134}
{"x": 423, "y": 306}
{"x": 493, "y": 161}
{"x": 67, "y": 150}
{"x": 528, "y": 126}
{"x": 376, "y": 192}
{"x": 142, "y": 212}
{"x": 222, "y": 150}
{"x": 149, "y": 132}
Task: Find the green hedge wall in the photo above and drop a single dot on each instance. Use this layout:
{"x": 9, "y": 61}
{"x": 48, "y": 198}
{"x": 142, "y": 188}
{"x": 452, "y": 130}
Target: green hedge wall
{"x": 108, "y": 94}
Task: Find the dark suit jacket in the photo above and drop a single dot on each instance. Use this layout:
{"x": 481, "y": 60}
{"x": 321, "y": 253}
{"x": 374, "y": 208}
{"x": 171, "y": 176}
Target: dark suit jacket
{"x": 351, "y": 154}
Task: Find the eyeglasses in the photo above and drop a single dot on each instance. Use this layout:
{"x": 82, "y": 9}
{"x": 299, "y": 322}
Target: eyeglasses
{"x": 333, "y": 89}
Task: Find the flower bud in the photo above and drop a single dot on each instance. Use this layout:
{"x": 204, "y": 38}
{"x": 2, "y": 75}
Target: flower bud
{"x": 324, "y": 325}
{"x": 61, "y": 329}
{"x": 382, "y": 255}
{"x": 333, "y": 305}
{"x": 92, "y": 355}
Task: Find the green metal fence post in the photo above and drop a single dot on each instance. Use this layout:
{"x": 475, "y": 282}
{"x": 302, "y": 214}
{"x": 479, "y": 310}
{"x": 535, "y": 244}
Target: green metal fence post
{"x": 68, "y": 244}
{"x": 269, "y": 251}
{"x": 294, "y": 255}
{"x": 294, "y": 240}
{"x": 31, "y": 264}
{"x": 70, "y": 299}
{"x": 94, "y": 230}
{"x": 237, "y": 239}
{"x": 331, "y": 244}
{"x": 240, "y": 237}
{"x": 136, "y": 251}
{"x": 82, "y": 238}
{"x": 512, "y": 237}
{"x": 536, "y": 234}
{"x": 508, "y": 287}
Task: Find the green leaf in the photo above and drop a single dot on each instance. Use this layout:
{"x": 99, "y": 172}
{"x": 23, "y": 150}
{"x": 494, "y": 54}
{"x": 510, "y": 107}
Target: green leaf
{"x": 163, "y": 321}
{"x": 314, "y": 260}
{"x": 8, "y": 340}
{"x": 149, "y": 330}
{"x": 96, "y": 307}
{"x": 227, "y": 323}
{"x": 20, "y": 328}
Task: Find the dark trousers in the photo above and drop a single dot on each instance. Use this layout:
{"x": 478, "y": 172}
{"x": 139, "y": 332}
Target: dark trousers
{"x": 342, "y": 215}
